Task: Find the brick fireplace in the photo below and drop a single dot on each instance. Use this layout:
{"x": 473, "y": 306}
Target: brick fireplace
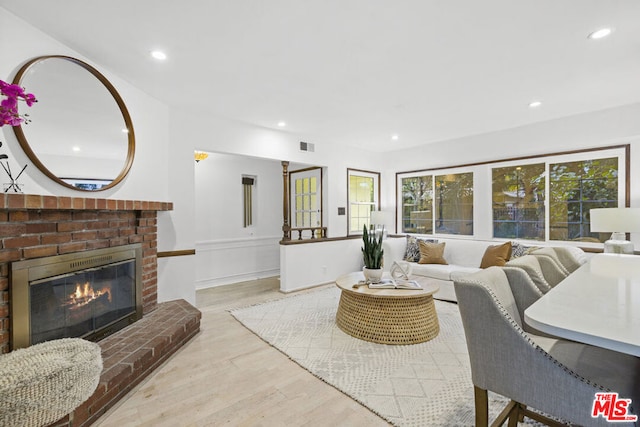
{"x": 35, "y": 226}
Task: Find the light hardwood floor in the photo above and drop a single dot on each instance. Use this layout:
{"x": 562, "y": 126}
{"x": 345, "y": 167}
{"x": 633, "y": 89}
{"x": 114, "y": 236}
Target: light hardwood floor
{"x": 228, "y": 376}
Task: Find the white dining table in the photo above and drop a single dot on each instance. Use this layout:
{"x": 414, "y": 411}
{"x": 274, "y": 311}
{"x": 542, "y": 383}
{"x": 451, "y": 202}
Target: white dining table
{"x": 598, "y": 304}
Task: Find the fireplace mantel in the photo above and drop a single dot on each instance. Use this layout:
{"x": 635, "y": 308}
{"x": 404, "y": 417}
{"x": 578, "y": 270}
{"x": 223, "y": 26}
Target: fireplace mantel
{"x": 12, "y": 201}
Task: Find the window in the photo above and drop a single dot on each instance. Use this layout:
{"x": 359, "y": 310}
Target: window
{"x": 454, "y": 203}
{"x": 443, "y": 203}
{"x": 538, "y": 198}
{"x": 362, "y": 198}
{"x": 574, "y": 189}
{"x": 518, "y": 194}
{"x": 417, "y": 209}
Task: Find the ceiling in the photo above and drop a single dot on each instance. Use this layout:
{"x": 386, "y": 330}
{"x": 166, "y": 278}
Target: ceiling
{"x": 357, "y": 72}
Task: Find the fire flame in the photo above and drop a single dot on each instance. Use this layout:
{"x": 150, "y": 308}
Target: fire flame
{"x": 85, "y": 293}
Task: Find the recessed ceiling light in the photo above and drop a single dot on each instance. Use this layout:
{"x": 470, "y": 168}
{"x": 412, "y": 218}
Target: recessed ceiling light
{"x": 157, "y": 54}
{"x": 282, "y": 124}
{"x": 535, "y": 104}
{"x": 394, "y": 137}
{"x": 601, "y": 33}
{"x": 125, "y": 130}
{"x": 76, "y": 148}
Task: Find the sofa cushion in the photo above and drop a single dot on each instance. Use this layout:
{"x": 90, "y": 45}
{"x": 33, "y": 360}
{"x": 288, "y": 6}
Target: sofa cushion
{"x": 465, "y": 252}
{"x": 463, "y": 271}
{"x": 436, "y": 271}
{"x": 442, "y": 271}
{"x": 496, "y": 255}
{"x": 431, "y": 253}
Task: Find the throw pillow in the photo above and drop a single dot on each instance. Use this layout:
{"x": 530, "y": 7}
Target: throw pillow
{"x": 412, "y": 253}
{"x": 497, "y": 255}
{"x": 431, "y": 253}
{"x": 518, "y": 250}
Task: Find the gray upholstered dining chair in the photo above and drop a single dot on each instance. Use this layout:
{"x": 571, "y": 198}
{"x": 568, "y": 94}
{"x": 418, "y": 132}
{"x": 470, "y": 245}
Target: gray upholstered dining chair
{"x": 551, "y": 376}
{"x": 551, "y": 254}
{"x": 571, "y": 258}
{"x": 524, "y": 291}
{"x": 542, "y": 270}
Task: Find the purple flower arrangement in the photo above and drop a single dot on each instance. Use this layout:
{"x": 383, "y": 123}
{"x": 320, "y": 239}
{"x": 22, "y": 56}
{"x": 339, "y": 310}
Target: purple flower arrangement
{"x": 9, "y": 115}
{"x": 9, "y": 105}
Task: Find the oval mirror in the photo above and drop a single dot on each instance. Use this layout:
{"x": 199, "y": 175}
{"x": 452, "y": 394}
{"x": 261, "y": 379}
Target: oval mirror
{"x": 80, "y": 133}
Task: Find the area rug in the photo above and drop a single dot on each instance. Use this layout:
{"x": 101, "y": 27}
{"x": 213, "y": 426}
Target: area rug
{"x": 427, "y": 384}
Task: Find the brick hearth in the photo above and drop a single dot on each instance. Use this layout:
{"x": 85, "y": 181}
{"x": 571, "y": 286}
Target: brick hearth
{"x": 132, "y": 353}
{"x": 34, "y": 226}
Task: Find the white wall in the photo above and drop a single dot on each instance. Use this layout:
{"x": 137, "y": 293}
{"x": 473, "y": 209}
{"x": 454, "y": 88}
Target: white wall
{"x": 599, "y": 129}
{"x": 312, "y": 264}
{"x": 226, "y": 251}
{"x": 176, "y": 275}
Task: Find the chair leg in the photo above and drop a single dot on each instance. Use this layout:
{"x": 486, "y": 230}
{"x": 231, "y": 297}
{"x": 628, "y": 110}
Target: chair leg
{"x": 515, "y": 416}
{"x": 482, "y": 406}
{"x": 510, "y": 412}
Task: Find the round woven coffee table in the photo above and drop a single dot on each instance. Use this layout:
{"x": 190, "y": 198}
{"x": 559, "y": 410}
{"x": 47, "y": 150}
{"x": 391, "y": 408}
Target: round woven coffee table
{"x": 387, "y": 316}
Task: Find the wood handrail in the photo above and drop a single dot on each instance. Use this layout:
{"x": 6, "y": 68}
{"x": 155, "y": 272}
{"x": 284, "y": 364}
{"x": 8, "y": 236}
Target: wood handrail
{"x": 318, "y": 240}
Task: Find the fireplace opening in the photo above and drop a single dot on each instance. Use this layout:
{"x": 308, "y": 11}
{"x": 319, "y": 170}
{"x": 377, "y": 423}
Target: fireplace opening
{"x": 84, "y": 295}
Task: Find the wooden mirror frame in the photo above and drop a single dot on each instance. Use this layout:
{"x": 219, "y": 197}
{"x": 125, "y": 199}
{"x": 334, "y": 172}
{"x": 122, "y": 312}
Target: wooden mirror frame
{"x": 116, "y": 96}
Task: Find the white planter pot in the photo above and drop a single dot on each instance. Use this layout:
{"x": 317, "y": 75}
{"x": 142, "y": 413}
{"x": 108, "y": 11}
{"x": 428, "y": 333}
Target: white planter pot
{"x": 372, "y": 275}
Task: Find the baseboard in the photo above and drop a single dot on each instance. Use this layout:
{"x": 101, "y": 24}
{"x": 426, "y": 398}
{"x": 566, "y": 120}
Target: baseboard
{"x": 301, "y": 288}
{"x": 235, "y": 278}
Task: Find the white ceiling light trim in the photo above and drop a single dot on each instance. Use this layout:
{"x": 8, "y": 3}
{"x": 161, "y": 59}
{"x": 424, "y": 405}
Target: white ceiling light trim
{"x": 600, "y": 34}
{"x": 159, "y": 55}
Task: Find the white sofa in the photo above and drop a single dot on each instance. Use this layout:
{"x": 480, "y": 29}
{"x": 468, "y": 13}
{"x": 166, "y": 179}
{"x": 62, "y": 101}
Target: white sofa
{"x": 463, "y": 257}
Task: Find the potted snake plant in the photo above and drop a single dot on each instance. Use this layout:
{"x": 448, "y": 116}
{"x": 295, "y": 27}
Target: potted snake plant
{"x": 372, "y": 255}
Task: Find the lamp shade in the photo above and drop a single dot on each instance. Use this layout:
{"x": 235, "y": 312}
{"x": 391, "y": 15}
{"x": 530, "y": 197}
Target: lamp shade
{"x": 615, "y": 220}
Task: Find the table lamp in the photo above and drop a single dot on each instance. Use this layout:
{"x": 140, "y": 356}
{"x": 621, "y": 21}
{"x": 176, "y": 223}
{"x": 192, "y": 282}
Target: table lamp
{"x": 618, "y": 221}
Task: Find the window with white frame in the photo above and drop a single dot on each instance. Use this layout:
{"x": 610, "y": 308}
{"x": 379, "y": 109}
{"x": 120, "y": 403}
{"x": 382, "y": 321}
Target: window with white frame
{"x": 440, "y": 202}
{"x": 540, "y": 198}
{"x": 363, "y": 197}
{"x": 518, "y": 196}
{"x": 417, "y": 199}
{"x": 575, "y": 187}
{"x": 453, "y": 203}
